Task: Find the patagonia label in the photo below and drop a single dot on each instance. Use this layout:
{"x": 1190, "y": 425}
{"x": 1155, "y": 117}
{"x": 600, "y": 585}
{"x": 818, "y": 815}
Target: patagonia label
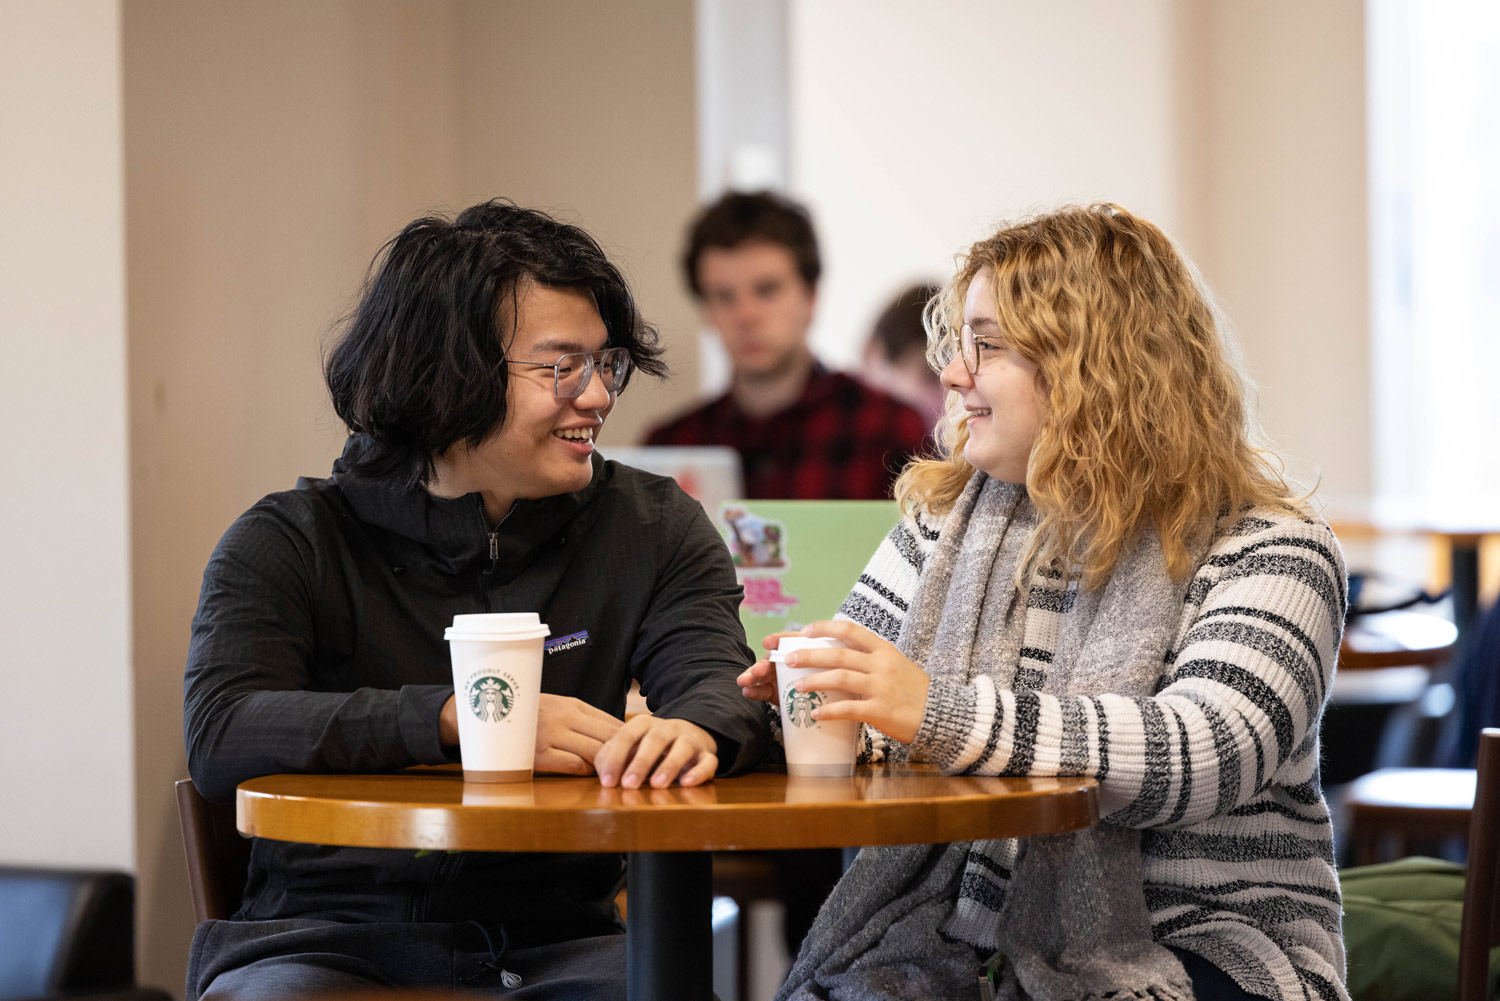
{"x": 561, "y": 644}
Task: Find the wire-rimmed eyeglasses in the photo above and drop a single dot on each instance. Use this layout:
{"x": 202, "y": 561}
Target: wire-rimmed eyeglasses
{"x": 571, "y": 372}
{"x": 968, "y": 347}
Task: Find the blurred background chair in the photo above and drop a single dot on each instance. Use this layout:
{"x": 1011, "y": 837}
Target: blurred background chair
{"x": 1481, "y": 922}
{"x": 1394, "y": 812}
{"x": 218, "y": 856}
{"x": 1389, "y": 684}
{"x": 68, "y": 933}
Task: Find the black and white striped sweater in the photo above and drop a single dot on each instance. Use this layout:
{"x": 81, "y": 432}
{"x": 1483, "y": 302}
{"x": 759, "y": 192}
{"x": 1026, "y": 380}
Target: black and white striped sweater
{"x": 1219, "y": 769}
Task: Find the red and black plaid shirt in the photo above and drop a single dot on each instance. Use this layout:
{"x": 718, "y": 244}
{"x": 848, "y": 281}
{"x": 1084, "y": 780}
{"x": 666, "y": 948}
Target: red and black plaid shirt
{"x": 841, "y": 440}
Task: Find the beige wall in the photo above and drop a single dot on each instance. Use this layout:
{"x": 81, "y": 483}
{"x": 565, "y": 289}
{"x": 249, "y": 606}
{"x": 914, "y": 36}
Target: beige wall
{"x": 65, "y": 697}
{"x": 1239, "y": 128}
{"x": 1280, "y": 169}
{"x": 270, "y": 150}
{"x": 927, "y": 124}
{"x": 587, "y": 110}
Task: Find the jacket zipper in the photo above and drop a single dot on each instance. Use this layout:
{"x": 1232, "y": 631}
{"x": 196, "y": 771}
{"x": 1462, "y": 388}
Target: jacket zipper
{"x": 494, "y": 539}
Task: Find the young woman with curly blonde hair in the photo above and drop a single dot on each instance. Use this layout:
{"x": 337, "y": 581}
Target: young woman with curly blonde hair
{"x": 1103, "y": 575}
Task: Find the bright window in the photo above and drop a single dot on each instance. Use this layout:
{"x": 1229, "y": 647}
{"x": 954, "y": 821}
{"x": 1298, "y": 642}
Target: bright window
{"x": 1434, "y": 114}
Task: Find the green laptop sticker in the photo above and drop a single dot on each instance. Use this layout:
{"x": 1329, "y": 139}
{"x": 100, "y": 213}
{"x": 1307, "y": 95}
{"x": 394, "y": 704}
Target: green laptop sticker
{"x": 798, "y": 560}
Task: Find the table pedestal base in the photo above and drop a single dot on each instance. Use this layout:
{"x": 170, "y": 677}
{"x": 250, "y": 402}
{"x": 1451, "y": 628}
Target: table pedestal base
{"x": 669, "y": 926}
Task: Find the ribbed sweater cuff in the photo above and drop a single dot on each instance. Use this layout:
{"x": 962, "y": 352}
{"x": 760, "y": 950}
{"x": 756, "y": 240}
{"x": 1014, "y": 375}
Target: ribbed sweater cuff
{"x": 946, "y": 721}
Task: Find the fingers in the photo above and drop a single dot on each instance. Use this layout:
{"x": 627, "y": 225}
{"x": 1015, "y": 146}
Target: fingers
{"x": 569, "y": 734}
{"x": 826, "y": 659}
{"x": 609, "y": 762}
{"x": 852, "y": 635}
{"x": 560, "y": 713}
{"x": 771, "y": 641}
{"x": 758, "y": 681}
{"x": 654, "y": 750}
{"x": 573, "y": 743}
{"x": 680, "y": 755}
{"x": 761, "y": 693}
{"x": 701, "y": 771}
{"x": 843, "y": 709}
{"x": 758, "y": 673}
{"x": 555, "y": 761}
{"x": 853, "y": 682}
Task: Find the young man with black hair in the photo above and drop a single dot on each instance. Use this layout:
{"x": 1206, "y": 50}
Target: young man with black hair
{"x": 803, "y": 432}
{"x": 484, "y": 356}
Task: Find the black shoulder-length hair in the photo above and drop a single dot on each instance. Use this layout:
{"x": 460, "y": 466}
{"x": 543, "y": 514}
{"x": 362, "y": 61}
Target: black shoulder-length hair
{"x": 419, "y": 365}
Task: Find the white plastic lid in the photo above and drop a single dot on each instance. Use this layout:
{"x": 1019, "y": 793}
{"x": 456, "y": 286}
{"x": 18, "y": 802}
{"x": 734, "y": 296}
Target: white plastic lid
{"x": 497, "y": 626}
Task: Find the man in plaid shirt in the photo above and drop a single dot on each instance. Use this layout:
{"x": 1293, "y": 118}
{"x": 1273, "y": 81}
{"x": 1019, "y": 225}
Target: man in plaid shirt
{"x": 803, "y": 432}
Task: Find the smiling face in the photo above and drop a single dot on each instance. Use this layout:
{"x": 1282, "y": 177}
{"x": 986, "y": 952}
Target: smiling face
{"x": 756, "y": 299}
{"x": 1005, "y": 400}
{"x": 544, "y": 446}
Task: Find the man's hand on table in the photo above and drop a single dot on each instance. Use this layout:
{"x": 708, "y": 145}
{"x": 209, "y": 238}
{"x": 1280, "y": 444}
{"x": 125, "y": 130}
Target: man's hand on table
{"x": 569, "y": 733}
{"x": 657, "y": 750}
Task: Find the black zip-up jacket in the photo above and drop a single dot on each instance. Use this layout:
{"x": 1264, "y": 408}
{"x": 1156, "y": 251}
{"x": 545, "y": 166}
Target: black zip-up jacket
{"x": 318, "y": 647}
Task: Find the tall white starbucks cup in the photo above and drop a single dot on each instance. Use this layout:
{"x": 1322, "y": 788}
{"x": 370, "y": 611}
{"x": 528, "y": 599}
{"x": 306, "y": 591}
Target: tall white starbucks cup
{"x": 497, "y": 684}
{"x": 813, "y": 747}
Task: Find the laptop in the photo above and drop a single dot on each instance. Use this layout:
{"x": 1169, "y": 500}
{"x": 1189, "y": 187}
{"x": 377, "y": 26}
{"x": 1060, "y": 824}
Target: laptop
{"x": 710, "y": 474}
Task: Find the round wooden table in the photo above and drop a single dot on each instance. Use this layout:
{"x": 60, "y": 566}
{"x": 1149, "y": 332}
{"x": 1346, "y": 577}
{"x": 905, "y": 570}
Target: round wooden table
{"x": 1396, "y": 639}
{"x": 668, "y": 832}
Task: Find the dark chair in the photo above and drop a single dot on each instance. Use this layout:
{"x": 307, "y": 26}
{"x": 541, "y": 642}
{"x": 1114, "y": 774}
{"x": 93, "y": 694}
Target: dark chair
{"x": 68, "y": 932}
{"x": 1481, "y": 922}
{"x": 218, "y": 856}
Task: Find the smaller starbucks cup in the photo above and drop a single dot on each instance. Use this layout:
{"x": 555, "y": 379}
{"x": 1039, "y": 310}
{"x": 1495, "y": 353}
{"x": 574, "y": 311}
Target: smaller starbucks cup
{"x": 814, "y": 748}
{"x": 497, "y": 685}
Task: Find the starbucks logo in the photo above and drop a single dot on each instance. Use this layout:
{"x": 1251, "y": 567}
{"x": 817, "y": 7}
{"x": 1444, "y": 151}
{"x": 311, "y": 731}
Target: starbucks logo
{"x": 800, "y": 705}
{"x": 491, "y": 698}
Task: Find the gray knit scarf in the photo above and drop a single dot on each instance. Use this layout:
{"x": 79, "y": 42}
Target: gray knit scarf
{"x": 1072, "y": 923}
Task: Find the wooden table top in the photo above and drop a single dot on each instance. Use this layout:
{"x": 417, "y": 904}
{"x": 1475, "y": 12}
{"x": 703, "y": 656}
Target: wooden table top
{"x": 434, "y": 808}
{"x": 1396, "y": 639}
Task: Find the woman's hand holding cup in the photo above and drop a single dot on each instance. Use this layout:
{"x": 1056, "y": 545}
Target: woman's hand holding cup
{"x": 890, "y": 691}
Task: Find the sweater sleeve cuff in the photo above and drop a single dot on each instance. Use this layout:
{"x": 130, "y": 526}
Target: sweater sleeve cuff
{"x": 420, "y": 708}
{"x": 946, "y": 722}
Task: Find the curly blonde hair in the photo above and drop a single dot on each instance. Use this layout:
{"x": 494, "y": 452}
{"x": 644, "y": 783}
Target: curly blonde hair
{"x": 1146, "y": 417}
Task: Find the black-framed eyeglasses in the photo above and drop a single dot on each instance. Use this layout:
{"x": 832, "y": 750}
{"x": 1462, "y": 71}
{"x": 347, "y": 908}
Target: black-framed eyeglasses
{"x": 571, "y": 372}
{"x": 968, "y": 347}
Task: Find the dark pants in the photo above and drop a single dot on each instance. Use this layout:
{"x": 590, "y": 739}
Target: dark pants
{"x": 273, "y": 960}
{"x": 1209, "y": 982}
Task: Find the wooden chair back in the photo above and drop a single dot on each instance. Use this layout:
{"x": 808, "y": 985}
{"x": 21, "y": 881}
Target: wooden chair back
{"x": 218, "y": 856}
{"x": 1481, "y": 921}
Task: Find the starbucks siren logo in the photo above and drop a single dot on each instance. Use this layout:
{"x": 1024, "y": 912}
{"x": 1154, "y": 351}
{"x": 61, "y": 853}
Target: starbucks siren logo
{"x": 800, "y": 705}
{"x": 492, "y": 697}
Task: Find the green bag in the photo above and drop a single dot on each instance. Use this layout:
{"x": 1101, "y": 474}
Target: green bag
{"x": 1401, "y": 926}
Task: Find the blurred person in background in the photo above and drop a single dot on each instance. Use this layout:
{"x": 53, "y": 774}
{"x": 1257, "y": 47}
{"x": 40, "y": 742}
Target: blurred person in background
{"x": 1103, "y": 575}
{"x": 895, "y": 357}
{"x": 803, "y": 432}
